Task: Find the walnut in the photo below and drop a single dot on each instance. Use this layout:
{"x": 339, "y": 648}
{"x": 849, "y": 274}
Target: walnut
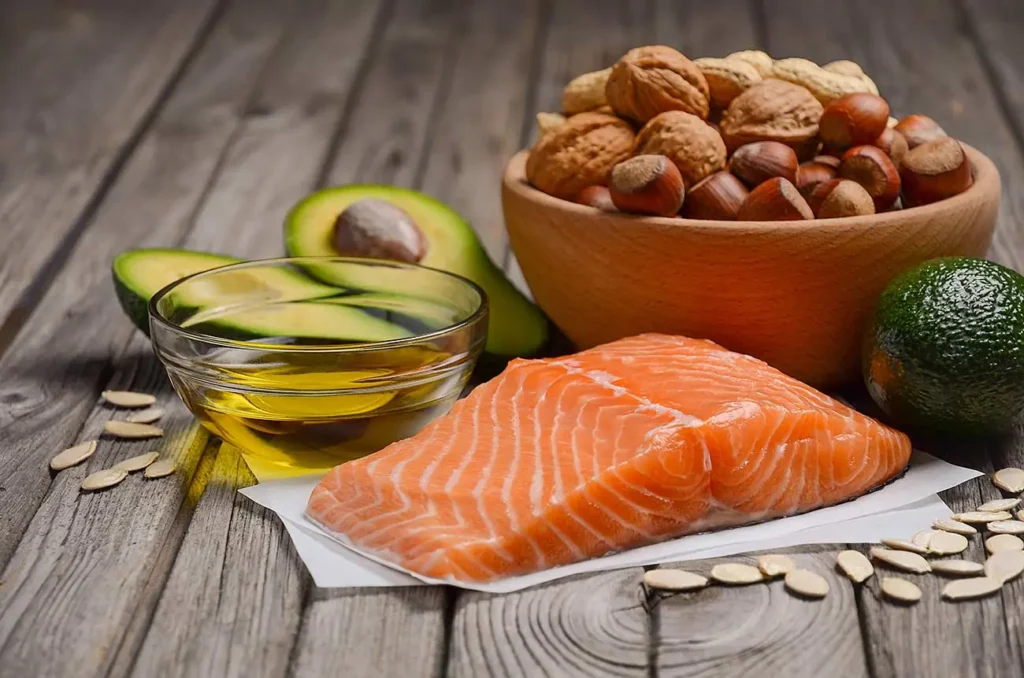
{"x": 773, "y": 110}
{"x": 579, "y": 153}
{"x": 652, "y": 80}
{"x": 692, "y": 144}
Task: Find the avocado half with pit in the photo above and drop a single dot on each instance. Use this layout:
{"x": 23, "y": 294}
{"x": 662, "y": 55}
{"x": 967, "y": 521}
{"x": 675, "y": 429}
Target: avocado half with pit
{"x": 388, "y": 222}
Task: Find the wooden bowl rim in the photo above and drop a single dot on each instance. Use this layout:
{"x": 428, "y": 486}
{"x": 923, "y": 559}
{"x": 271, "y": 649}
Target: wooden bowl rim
{"x": 984, "y": 188}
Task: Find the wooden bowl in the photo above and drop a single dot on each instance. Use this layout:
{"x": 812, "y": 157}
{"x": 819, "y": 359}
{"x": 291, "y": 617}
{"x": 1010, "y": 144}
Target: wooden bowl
{"x": 795, "y": 294}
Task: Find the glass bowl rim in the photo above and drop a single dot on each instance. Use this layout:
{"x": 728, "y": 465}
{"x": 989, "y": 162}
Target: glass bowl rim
{"x": 155, "y": 317}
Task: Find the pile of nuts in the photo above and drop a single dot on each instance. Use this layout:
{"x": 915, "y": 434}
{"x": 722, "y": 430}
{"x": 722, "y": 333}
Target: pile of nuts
{"x": 746, "y": 137}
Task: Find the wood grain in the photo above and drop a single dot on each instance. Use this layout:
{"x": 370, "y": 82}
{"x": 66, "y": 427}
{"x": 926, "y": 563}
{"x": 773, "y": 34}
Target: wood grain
{"x": 761, "y": 629}
{"x": 705, "y": 29}
{"x": 79, "y": 83}
{"x": 594, "y": 625}
{"x": 794, "y": 295}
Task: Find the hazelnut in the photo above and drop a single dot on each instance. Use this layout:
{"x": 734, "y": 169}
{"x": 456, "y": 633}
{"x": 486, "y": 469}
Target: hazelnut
{"x": 934, "y": 171}
{"x": 830, "y": 160}
{"x": 775, "y": 200}
{"x": 894, "y": 145}
{"x": 762, "y": 160}
{"x": 692, "y": 144}
{"x": 718, "y": 196}
{"x": 651, "y": 80}
{"x": 647, "y": 184}
{"x": 918, "y": 129}
{"x": 853, "y": 120}
{"x": 578, "y": 153}
{"x": 810, "y": 174}
{"x": 596, "y": 196}
{"x": 773, "y": 110}
{"x": 870, "y": 167}
{"x": 379, "y": 229}
{"x": 840, "y": 198}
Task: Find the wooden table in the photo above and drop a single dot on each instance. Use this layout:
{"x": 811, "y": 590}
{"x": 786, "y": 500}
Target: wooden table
{"x": 197, "y": 123}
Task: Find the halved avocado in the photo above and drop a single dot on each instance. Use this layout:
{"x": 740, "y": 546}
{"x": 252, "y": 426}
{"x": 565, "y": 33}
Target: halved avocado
{"x": 301, "y": 320}
{"x": 516, "y": 326}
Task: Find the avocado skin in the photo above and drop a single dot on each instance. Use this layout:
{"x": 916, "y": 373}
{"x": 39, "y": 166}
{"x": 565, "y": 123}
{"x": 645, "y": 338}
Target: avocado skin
{"x": 945, "y": 347}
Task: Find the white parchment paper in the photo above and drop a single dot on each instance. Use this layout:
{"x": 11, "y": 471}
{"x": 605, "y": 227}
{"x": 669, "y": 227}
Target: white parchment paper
{"x": 899, "y": 509}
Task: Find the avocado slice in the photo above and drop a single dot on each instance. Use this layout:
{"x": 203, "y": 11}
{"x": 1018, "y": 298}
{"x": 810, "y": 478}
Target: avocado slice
{"x": 516, "y": 326}
{"x": 267, "y": 302}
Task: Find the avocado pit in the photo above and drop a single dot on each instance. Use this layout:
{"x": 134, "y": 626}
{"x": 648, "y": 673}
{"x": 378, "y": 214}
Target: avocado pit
{"x": 377, "y": 228}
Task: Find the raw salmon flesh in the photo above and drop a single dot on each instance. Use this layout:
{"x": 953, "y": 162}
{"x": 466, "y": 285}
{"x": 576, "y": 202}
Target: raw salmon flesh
{"x": 636, "y": 441}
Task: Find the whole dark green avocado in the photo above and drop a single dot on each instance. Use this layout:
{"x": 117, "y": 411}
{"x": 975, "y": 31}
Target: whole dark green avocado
{"x": 945, "y": 348}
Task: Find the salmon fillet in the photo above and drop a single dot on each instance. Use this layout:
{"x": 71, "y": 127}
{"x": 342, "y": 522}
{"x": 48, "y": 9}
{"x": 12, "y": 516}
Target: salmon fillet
{"x": 640, "y": 440}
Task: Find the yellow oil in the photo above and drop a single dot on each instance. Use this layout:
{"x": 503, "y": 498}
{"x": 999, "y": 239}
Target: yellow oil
{"x": 310, "y": 432}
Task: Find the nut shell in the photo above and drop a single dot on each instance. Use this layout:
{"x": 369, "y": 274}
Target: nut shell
{"x": 756, "y": 58}
{"x": 893, "y": 144}
{"x": 694, "y": 146}
{"x": 935, "y": 171}
{"x": 853, "y": 120}
{"x": 727, "y": 79}
{"x": 775, "y": 200}
{"x": 870, "y": 167}
{"x": 585, "y": 92}
{"x": 825, "y": 85}
{"x": 647, "y": 184}
{"x": 757, "y": 162}
{"x": 597, "y": 196}
{"x": 718, "y": 196}
{"x": 810, "y": 174}
{"x": 772, "y": 110}
{"x": 651, "y": 80}
{"x": 919, "y": 129}
{"x": 840, "y": 198}
{"x": 579, "y": 153}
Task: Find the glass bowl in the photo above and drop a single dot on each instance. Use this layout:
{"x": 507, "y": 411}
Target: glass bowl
{"x": 305, "y": 363}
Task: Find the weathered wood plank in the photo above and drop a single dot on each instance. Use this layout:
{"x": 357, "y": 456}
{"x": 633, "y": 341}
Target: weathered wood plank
{"x": 705, "y": 29}
{"x": 936, "y": 72}
{"x": 760, "y": 629}
{"x": 595, "y": 625}
{"x": 50, "y": 376}
{"x": 79, "y": 84}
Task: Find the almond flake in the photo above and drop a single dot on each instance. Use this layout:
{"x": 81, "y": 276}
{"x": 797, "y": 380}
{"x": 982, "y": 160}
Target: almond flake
{"x": 807, "y": 583}
{"x": 1003, "y": 542}
{"x": 975, "y": 587}
{"x": 146, "y": 416}
{"x": 903, "y": 560}
{"x": 668, "y": 579}
{"x": 981, "y": 516}
{"x": 128, "y": 398}
{"x": 736, "y": 573}
{"x": 137, "y": 463}
{"x": 1005, "y": 566}
{"x": 774, "y": 564}
{"x": 101, "y": 480}
{"x": 73, "y": 455}
{"x": 923, "y": 537}
{"x": 901, "y": 590}
{"x": 954, "y": 526}
{"x": 904, "y": 545}
{"x": 159, "y": 468}
{"x": 127, "y": 429}
{"x": 957, "y": 568}
{"x": 855, "y": 565}
{"x": 1006, "y": 527}
{"x": 947, "y": 543}
{"x": 1009, "y": 480}
{"x": 998, "y": 505}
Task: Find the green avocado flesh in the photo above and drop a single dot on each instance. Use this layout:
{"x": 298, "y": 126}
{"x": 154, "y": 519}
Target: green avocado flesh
{"x": 264, "y": 302}
{"x": 945, "y": 348}
{"x": 516, "y": 326}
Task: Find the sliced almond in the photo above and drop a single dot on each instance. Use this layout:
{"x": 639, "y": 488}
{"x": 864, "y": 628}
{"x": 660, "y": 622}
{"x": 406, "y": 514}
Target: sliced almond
{"x": 1006, "y": 527}
{"x": 855, "y": 565}
{"x": 137, "y": 463}
{"x": 947, "y": 543}
{"x": 1005, "y": 566}
{"x": 980, "y": 517}
{"x": 775, "y": 564}
{"x": 1009, "y": 480}
{"x": 736, "y": 573}
{"x": 903, "y": 560}
{"x": 1020, "y": 515}
{"x": 954, "y": 526}
{"x": 159, "y": 468}
{"x": 128, "y": 398}
{"x": 957, "y": 568}
{"x": 998, "y": 505}
{"x": 1003, "y": 542}
{"x": 127, "y": 429}
{"x": 101, "y": 480}
{"x": 975, "y": 587}
{"x": 806, "y": 583}
{"x": 904, "y": 545}
{"x": 146, "y": 416}
{"x": 669, "y": 579}
{"x": 923, "y": 537}
{"x": 73, "y": 455}
{"x": 901, "y": 590}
